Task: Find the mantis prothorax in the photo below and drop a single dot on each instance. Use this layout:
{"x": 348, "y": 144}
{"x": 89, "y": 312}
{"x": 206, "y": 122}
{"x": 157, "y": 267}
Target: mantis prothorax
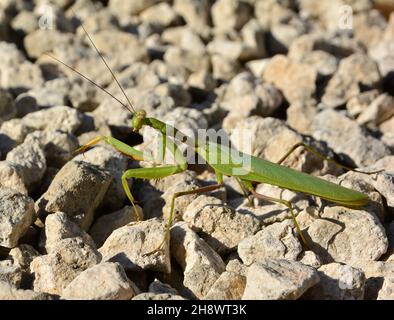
{"x": 257, "y": 171}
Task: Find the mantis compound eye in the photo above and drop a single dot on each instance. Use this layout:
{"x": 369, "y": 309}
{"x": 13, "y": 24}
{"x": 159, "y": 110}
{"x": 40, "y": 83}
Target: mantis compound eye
{"x": 138, "y": 120}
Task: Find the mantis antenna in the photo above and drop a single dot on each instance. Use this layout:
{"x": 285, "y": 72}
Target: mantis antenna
{"x": 110, "y": 70}
{"x": 90, "y": 80}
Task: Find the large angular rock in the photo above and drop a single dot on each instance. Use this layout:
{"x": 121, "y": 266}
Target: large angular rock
{"x": 129, "y": 244}
{"x": 77, "y": 189}
{"x": 55, "y": 271}
{"x": 105, "y": 281}
{"x": 346, "y": 235}
{"x": 30, "y": 158}
{"x": 202, "y": 266}
{"x": 296, "y": 80}
{"x": 346, "y": 137}
{"x": 223, "y": 227}
{"x": 276, "y": 241}
{"x": 279, "y": 280}
{"x": 16, "y": 215}
{"x": 56, "y": 118}
{"x": 59, "y": 226}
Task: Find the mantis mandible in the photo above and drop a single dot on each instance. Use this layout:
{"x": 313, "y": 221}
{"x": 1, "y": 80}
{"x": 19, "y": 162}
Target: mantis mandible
{"x": 258, "y": 170}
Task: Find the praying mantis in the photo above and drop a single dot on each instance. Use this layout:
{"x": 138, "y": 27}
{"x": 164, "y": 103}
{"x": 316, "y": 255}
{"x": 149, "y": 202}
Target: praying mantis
{"x": 224, "y": 161}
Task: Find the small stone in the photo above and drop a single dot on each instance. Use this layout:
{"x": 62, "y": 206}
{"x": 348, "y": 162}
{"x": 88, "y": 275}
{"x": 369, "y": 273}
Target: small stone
{"x": 16, "y": 215}
{"x": 30, "y": 158}
{"x": 11, "y": 176}
{"x": 24, "y": 22}
{"x": 23, "y": 255}
{"x": 300, "y": 116}
{"x": 6, "y": 144}
{"x": 387, "y": 291}
{"x": 104, "y": 281}
{"x": 388, "y": 134}
{"x": 7, "y": 106}
{"x": 187, "y": 59}
{"x": 376, "y": 273}
{"x": 271, "y": 12}
{"x": 135, "y": 7}
{"x": 258, "y": 66}
{"x": 310, "y": 258}
{"x": 84, "y": 96}
{"x": 16, "y": 130}
{"x": 9, "y": 292}
{"x": 354, "y": 73}
{"x": 24, "y": 104}
{"x": 358, "y": 104}
{"x": 230, "y": 14}
{"x": 55, "y": 271}
{"x": 338, "y": 282}
{"x": 253, "y": 36}
{"x": 232, "y": 50}
{"x": 52, "y": 93}
{"x": 195, "y": 12}
{"x": 10, "y": 273}
{"x": 380, "y": 110}
{"x": 155, "y": 296}
{"x": 184, "y": 37}
{"x": 127, "y": 245}
{"x": 56, "y": 118}
{"x": 229, "y": 286}
{"x": 58, "y": 226}
{"x": 246, "y": 96}
{"x": 178, "y": 93}
{"x": 19, "y": 75}
{"x": 296, "y": 80}
{"x": 369, "y": 27}
{"x": 202, "y": 80}
{"x": 346, "y": 137}
{"x": 282, "y": 35}
{"x": 77, "y": 190}
{"x": 223, "y": 227}
{"x": 128, "y": 45}
{"x": 106, "y": 224}
{"x": 279, "y": 280}
{"x": 158, "y": 287}
{"x": 57, "y": 145}
{"x": 224, "y": 68}
{"x": 276, "y": 241}
{"x": 201, "y": 264}
{"x": 236, "y": 266}
{"x": 161, "y": 14}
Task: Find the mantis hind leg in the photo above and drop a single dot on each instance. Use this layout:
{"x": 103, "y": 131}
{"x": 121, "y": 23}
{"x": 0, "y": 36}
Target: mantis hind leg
{"x": 287, "y": 204}
{"x": 322, "y": 157}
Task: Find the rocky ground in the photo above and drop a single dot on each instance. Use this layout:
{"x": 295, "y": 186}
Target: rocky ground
{"x": 287, "y": 71}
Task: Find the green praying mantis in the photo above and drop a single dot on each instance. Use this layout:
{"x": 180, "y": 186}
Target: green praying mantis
{"x": 224, "y": 160}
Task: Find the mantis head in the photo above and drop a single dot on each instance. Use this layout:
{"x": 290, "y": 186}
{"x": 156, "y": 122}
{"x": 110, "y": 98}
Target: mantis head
{"x": 138, "y": 120}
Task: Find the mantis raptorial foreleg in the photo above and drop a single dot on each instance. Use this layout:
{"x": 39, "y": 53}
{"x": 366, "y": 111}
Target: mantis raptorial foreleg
{"x": 319, "y": 155}
{"x": 148, "y": 173}
{"x": 287, "y": 204}
{"x": 118, "y": 145}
